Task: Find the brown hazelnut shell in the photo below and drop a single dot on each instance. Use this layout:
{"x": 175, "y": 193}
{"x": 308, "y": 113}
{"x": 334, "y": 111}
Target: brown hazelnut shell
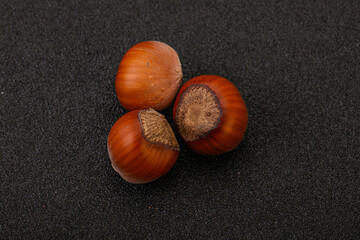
{"x": 232, "y": 126}
{"x": 149, "y": 76}
{"x": 136, "y": 159}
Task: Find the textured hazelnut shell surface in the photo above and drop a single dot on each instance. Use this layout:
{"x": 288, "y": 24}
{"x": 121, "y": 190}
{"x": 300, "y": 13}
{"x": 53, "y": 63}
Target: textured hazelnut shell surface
{"x": 149, "y": 76}
{"x": 134, "y": 158}
{"x": 233, "y": 123}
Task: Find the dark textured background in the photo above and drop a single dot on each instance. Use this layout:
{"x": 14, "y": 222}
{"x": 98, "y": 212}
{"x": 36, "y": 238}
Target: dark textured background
{"x": 296, "y": 175}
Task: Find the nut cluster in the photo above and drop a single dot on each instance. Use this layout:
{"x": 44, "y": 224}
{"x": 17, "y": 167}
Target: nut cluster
{"x": 209, "y": 113}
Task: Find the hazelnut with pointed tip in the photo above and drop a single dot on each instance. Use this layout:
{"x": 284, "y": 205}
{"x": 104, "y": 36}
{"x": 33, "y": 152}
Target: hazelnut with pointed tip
{"x": 149, "y": 76}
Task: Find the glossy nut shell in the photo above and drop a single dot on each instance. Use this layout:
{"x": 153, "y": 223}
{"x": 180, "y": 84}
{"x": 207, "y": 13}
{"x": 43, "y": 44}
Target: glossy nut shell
{"x": 149, "y": 76}
{"x": 231, "y": 127}
{"x": 136, "y": 159}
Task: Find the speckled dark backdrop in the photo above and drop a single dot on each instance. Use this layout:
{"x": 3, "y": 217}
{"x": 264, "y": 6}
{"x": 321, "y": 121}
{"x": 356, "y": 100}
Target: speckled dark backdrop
{"x": 295, "y": 176}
